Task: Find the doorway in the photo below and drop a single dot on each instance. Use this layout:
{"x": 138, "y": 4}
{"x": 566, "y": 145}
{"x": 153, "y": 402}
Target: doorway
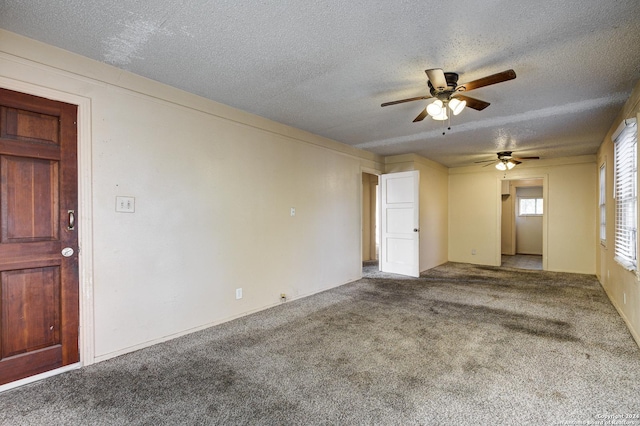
{"x": 370, "y": 220}
{"x": 523, "y": 223}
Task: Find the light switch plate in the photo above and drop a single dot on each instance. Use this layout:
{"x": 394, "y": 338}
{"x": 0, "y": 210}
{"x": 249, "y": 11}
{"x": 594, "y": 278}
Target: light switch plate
{"x": 125, "y": 204}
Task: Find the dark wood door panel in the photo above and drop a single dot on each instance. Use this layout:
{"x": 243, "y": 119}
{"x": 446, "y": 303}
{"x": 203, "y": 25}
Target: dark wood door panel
{"x": 28, "y": 199}
{"x": 28, "y": 364}
{"x": 39, "y": 294}
{"x": 28, "y": 126}
{"x": 34, "y": 322}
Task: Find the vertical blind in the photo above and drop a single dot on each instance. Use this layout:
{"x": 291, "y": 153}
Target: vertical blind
{"x": 625, "y": 142}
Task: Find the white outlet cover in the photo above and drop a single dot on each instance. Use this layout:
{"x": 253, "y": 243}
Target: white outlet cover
{"x": 238, "y": 293}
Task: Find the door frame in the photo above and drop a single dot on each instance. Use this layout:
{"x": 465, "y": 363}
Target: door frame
{"x": 374, "y": 210}
{"x": 374, "y": 172}
{"x": 545, "y": 217}
{"x": 85, "y": 222}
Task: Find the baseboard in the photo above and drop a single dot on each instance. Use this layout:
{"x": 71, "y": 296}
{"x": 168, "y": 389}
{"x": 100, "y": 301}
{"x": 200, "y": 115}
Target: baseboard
{"x": 633, "y": 332}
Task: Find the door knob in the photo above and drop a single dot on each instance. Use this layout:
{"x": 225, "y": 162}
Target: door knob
{"x": 416, "y": 229}
{"x": 72, "y": 220}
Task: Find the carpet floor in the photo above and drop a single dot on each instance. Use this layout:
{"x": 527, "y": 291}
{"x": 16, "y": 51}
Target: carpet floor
{"x": 461, "y": 345}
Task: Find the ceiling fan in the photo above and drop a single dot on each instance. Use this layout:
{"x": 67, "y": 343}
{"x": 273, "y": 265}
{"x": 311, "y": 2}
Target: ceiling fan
{"x": 506, "y": 161}
{"x": 448, "y": 93}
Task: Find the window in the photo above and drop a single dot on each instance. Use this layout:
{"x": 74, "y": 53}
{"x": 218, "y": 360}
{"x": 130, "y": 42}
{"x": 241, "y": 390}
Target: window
{"x": 602, "y": 203}
{"x": 529, "y": 206}
{"x": 625, "y": 140}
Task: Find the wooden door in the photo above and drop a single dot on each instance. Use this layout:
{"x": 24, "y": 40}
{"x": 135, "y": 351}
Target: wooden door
{"x": 400, "y": 223}
{"x": 39, "y": 303}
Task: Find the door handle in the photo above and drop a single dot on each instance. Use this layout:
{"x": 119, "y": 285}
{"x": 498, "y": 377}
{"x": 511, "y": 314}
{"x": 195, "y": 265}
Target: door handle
{"x": 72, "y": 220}
{"x": 416, "y": 229}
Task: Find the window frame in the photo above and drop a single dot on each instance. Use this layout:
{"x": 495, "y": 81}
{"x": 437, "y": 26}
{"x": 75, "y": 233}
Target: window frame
{"x": 525, "y": 197}
{"x": 625, "y": 141}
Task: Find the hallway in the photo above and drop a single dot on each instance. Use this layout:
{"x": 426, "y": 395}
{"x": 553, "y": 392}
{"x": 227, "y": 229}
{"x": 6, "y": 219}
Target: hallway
{"x": 522, "y": 261}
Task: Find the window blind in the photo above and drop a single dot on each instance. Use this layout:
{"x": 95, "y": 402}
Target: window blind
{"x": 625, "y": 145}
{"x": 603, "y": 204}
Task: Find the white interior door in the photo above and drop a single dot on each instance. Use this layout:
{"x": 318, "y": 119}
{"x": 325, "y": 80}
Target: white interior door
{"x": 400, "y": 225}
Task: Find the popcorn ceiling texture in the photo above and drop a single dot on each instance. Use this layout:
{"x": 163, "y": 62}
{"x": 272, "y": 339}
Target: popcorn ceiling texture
{"x": 461, "y": 345}
{"x": 327, "y": 66}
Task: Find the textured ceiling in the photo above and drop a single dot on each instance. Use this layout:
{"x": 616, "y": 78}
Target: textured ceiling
{"x": 326, "y": 67}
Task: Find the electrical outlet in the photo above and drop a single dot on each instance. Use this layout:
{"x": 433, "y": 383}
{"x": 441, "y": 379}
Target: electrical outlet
{"x": 473, "y": 252}
{"x": 293, "y": 211}
{"x": 238, "y": 293}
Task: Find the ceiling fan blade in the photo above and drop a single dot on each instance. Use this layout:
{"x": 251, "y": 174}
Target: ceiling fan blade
{"x": 417, "y": 98}
{"x": 484, "y": 161}
{"x": 516, "y": 162}
{"x": 437, "y": 78}
{"x": 526, "y": 158}
{"x": 474, "y": 103}
{"x": 490, "y": 164}
{"x": 488, "y": 80}
{"x": 421, "y": 116}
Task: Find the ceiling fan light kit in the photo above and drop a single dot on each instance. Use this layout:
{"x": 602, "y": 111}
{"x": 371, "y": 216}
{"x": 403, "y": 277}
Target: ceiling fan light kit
{"x": 504, "y": 165}
{"x": 438, "y": 109}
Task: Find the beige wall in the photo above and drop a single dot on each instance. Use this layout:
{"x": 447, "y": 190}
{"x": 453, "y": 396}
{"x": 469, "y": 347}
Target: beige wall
{"x": 434, "y": 195}
{"x": 622, "y": 286}
{"x": 568, "y": 232}
{"x": 213, "y": 188}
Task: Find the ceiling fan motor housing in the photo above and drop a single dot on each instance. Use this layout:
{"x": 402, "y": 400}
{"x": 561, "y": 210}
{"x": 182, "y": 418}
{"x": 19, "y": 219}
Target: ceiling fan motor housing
{"x": 445, "y": 94}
